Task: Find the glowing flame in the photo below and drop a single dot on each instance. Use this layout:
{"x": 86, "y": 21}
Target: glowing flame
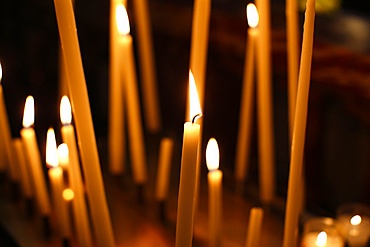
{"x": 123, "y": 24}
{"x": 212, "y": 155}
{"x": 356, "y": 220}
{"x": 193, "y": 97}
{"x": 51, "y": 149}
{"x": 1, "y": 72}
{"x": 63, "y": 154}
{"x": 29, "y": 112}
{"x": 65, "y": 110}
{"x": 68, "y": 194}
{"x": 321, "y": 239}
{"x": 252, "y": 15}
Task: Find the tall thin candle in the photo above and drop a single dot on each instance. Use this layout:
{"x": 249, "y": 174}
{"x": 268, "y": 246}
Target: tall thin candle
{"x": 299, "y": 130}
{"x": 84, "y": 125}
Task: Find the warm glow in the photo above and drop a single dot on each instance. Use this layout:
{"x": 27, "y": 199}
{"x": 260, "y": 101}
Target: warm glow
{"x": 1, "y": 73}
{"x": 65, "y": 110}
{"x": 68, "y": 194}
{"x": 193, "y": 98}
{"x": 252, "y": 15}
{"x": 321, "y": 239}
{"x": 356, "y": 220}
{"x": 51, "y": 149}
{"x": 63, "y": 154}
{"x": 29, "y": 112}
{"x": 123, "y": 24}
{"x": 212, "y": 155}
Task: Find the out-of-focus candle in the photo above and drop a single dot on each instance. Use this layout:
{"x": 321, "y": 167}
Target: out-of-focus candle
{"x": 187, "y": 187}
{"x": 299, "y": 131}
{"x": 26, "y": 183}
{"x": 33, "y": 158}
{"x": 164, "y": 168}
{"x": 215, "y": 194}
{"x": 116, "y": 129}
{"x": 70, "y": 152}
{"x": 135, "y": 129}
{"x": 147, "y": 66}
{"x": 321, "y": 232}
{"x": 254, "y": 227}
{"x": 245, "y": 117}
{"x": 57, "y": 185}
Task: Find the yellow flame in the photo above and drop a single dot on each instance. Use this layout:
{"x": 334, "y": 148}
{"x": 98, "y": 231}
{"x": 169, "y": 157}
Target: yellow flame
{"x": 212, "y": 155}
{"x": 321, "y": 239}
{"x": 193, "y": 98}
{"x": 51, "y": 149}
{"x": 252, "y": 15}
{"x": 356, "y": 220}
{"x": 123, "y": 24}
{"x": 1, "y": 72}
{"x": 29, "y": 112}
{"x": 65, "y": 110}
{"x": 63, "y": 154}
{"x": 68, "y": 194}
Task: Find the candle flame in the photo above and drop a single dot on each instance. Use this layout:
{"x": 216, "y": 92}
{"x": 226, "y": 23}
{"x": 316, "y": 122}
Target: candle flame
{"x": 68, "y": 194}
{"x": 356, "y": 220}
{"x": 123, "y": 24}
{"x": 63, "y": 154}
{"x": 1, "y": 72}
{"x": 29, "y": 112}
{"x": 321, "y": 239}
{"x": 65, "y": 110}
{"x": 252, "y": 15}
{"x": 51, "y": 149}
{"x": 193, "y": 98}
{"x": 212, "y": 155}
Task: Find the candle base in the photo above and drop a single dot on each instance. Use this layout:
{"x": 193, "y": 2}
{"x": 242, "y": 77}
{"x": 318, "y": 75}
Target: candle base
{"x": 46, "y": 226}
{"x": 29, "y": 207}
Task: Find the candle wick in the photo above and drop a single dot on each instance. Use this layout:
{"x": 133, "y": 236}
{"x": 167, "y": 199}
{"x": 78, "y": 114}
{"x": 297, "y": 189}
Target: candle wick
{"x": 196, "y": 117}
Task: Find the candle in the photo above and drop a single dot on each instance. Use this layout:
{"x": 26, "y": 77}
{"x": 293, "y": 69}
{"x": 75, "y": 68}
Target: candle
{"x": 26, "y": 183}
{"x": 321, "y": 232}
{"x": 57, "y": 185}
{"x": 69, "y": 151}
{"x": 187, "y": 187}
{"x": 135, "y": 130}
{"x": 147, "y": 67}
{"x": 254, "y": 227}
{"x": 84, "y": 125}
{"x": 300, "y": 117}
{"x": 6, "y": 138}
{"x": 264, "y": 106}
{"x": 215, "y": 193}
{"x": 164, "y": 168}
{"x": 116, "y": 129}
{"x": 245, "y": 117}
{"x": 33, "y": 158}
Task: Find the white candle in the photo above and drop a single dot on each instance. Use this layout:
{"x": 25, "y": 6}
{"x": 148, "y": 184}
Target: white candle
{"x": 164, "y": 168}
{"x": 79, "y": 204}
{"x": 246, "y": 108}
{"x": 215, "y": 194}
{"x": 300, "y": 117}
{"x": 147, "y": 66}
{"x": 254, "y": 227}
{"x": 187, "y": 187}
{"x": 116, "y": 129}
{"x": 135, "y": 129}
{"x": 26, "y": 183}
{"x": 84, "y": 125}
{"x": 33, "y": 158}
{"x": 57, "y": 185}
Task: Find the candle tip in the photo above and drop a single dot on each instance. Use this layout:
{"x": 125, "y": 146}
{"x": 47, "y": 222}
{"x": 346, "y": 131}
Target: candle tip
{"x": 29, "y": 112}
{"x": 51, "y": 149}
{"x": 122, "y": 21}
{"x": 195, "y": 110}
{"x": 65, "y": 110}
{"x": 212, "y": 155}
{"x": 252, "y": 15}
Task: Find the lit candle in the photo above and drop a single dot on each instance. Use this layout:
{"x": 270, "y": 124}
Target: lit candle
{"x": 355, "y": 229}
{"x": 300, "y": 117}
{"x": 254, "y": 227}
{"x": 215, "y": 193}
{"x": 135, "y": 130}
{"x": 321, "y": 232}
{"x": 57, "y": 185}
{"x": 116, "y": 133}
{"x": 187, "y": 187}
{"x": 26, "y": 184}
{"x": 6, "y": 138}
{"x": 70, "y": 152}
{"x": 245, "y": 118}
{"x": 147, "y": 67}
{"x": 164, "y": 168}
{"x": 84, "y": 125}
{"x": 264, "y": 106}
{"x": 33, "y": 158}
